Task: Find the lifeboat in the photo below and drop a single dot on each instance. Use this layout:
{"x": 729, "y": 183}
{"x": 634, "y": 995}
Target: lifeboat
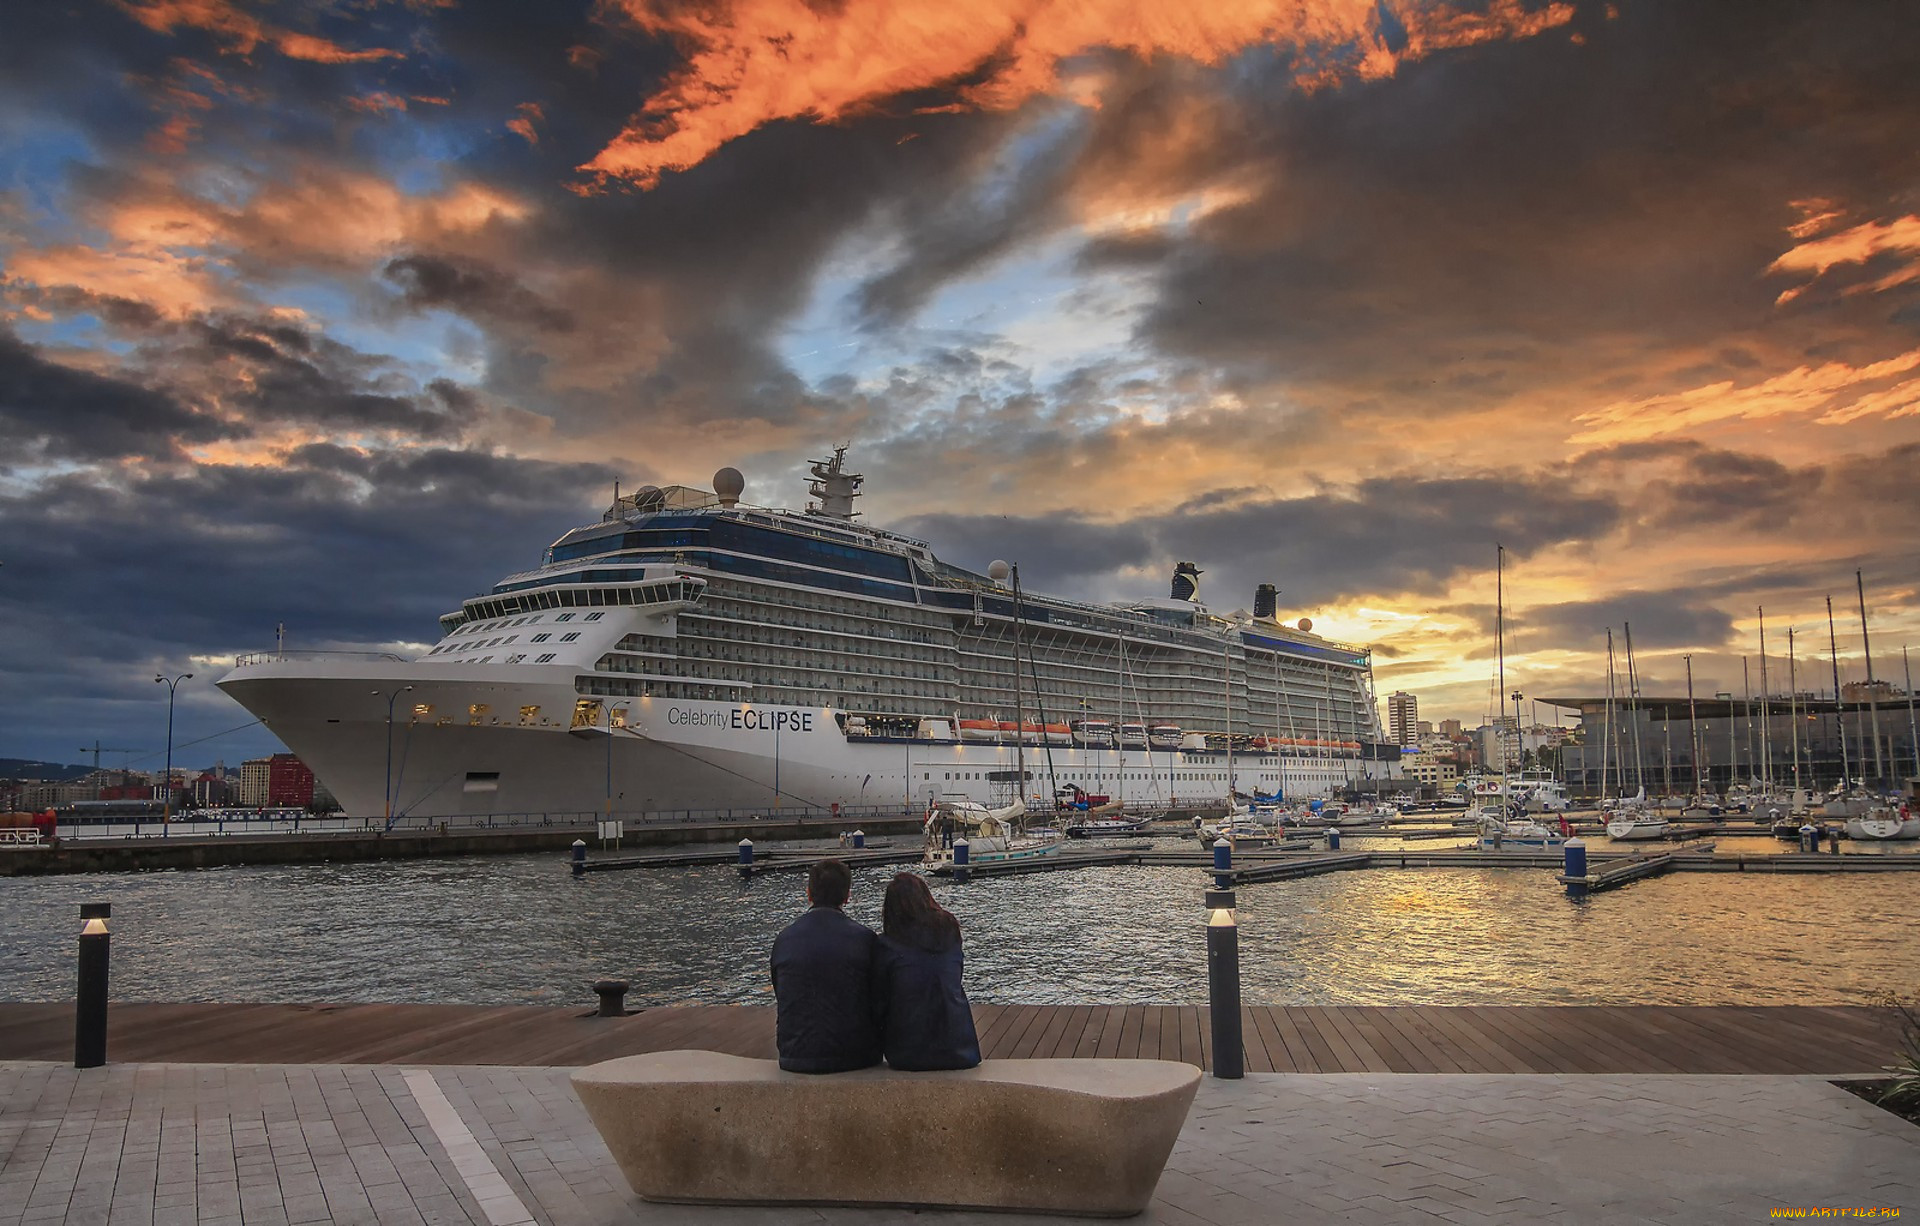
{"x": 980, "y": 730}
{"x": 1093, "y": 734}
{"x": 1059, "y": 734}
{"x": 1164, "y": 736}
{"x": 1133, "y": 736}
{"x": 1010, "y": 731}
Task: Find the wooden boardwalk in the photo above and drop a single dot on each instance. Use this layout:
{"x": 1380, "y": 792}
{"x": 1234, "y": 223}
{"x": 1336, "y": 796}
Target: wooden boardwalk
{"x": 1324, "y": 1039}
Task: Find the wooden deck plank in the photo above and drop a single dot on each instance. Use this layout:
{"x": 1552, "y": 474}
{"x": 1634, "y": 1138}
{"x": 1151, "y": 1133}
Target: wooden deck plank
{"x": 1479, "y": 1051}
{"x": 1539, "y": 1056}
{"x": 1348, "y": 1053}
{"x": 1482, "y": 1039}
{"x": 1087, "y": 1043}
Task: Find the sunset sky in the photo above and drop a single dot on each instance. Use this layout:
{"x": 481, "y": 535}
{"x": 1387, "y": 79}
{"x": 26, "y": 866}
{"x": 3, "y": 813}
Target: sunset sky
{"x": 329, "y": 314}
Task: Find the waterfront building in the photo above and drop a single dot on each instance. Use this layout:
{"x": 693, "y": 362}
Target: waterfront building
{"x": 1452, "y": 728}
{"x": 1403, "y": 717}
{"x": 289, "y": 782}
{"x": 255, "y": 775}
{"x": 1737, "y": 740}
{"x": 690, "y": 651}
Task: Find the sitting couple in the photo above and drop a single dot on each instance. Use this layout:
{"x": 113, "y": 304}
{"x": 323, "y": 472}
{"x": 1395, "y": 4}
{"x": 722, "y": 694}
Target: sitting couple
{"x": 847, "y": 997}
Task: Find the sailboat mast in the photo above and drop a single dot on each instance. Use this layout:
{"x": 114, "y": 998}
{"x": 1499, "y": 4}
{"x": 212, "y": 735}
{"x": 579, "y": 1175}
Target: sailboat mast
{"x": 1019, "y": 712}
{"x": 1839, "y": 712}
{"x": 1500, "y": 645}
{"x": 1766, "y": 709}
{"x": 1793, "y": 709}
{"x": 1609, "y": 744}
{"x": 1693, "y": 729}
{"x": 1633, "y": 711}
{"x": 1746, "y": 681}
{"x": 1913, "y": 733}
{"x": 1873, "y": 693}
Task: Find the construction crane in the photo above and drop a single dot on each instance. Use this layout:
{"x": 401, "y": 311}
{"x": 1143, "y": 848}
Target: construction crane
{"x": 96, "y": 751}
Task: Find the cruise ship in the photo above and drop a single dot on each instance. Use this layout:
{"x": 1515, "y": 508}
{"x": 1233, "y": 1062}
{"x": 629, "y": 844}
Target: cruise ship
{"x": 692, "y": 652}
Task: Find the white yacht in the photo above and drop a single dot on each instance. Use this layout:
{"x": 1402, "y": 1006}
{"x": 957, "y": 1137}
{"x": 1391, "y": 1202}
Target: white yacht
{"x": 692, "y": 652}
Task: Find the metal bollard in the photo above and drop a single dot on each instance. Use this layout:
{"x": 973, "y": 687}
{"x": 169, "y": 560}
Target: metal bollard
{"x": 1222, "y": 864}
{"x": 960, "y": 848}
{"x": 612, "y": 997}
{"x": 90, "y": 998}
{"x": 1333, "y": 838}
{"x": 1833, "y": 840}
{"x": 1807, "y": 835}
{"x": 859, "y": 839}
{"x": 579, "y": 857}
{"x": 746, "y": 858}
{"x": 1223, "y": 985}
{"x": 1576, "y": 868}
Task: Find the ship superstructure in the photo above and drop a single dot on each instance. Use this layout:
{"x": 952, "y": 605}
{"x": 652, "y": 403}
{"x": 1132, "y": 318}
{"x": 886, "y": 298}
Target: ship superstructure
{"x": 721, "y": 655}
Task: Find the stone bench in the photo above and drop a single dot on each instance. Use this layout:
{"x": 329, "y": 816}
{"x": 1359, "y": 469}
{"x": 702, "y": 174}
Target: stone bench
{"x": 1080, "y": 1137}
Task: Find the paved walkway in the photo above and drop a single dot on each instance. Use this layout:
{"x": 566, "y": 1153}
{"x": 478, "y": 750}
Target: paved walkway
{"x": 497, "y": 1146}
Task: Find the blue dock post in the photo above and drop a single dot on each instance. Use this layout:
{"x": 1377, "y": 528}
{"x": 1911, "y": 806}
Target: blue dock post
{"x": 1333, "y": 838}
{"x": 90, "y": 1000}
{"x": 1807, "y": 836}
{"x": 1223, "y": 985}
{"x": 960, "y": 847}
{"x": 1576, "y": 868}
{"x": 746, "y": 858}
{"x": 579, "y": 857}
{"x": 1222, "y": 864}
{"x": 859, "y": 839}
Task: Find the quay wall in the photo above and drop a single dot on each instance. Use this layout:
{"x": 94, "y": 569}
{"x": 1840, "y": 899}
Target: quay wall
{"x": 154, "y": 853}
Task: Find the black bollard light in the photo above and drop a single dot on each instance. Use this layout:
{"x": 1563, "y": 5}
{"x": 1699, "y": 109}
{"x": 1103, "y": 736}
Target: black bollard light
{"x": 746, "y": 859}
{"x": 960, "y": 850}
{"x": 1223, "y": 985}
{"x": 90, "y": 998}
{"x": 579, "y": 857}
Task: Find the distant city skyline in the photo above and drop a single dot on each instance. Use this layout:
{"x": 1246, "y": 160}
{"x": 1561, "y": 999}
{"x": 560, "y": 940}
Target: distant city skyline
{"x": 330, "y": 316}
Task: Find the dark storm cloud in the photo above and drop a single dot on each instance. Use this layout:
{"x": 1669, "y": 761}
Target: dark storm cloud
{"x": 474, "y": 289}
{"x": 1659, "y": 619}
{"x": 1405, "y": 535}
{"x": 106, "y": 580}
{"x": 49, "y": 411}
{"x": 1494, "y": 211}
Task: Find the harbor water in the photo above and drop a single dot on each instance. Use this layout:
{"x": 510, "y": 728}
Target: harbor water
{"x": 506, "y": 930}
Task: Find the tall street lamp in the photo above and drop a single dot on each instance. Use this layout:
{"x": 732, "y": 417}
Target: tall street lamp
{"x": 386, "y": 787}
{"x": 172, "y": 683}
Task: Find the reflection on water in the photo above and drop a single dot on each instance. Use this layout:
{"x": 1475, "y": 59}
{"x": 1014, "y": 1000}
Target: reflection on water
{"x": 520, "y": 929}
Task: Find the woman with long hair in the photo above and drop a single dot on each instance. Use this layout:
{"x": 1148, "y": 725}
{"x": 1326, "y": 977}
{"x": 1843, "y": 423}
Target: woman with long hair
{"x": 925, "y": 1020}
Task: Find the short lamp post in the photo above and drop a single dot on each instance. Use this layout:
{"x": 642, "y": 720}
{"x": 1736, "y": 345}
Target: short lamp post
{"x": 1223, "y": 985}
{"x": 386, "y": 786}
{"x": 90, "y": 999}
{"x": 166, "y": 785}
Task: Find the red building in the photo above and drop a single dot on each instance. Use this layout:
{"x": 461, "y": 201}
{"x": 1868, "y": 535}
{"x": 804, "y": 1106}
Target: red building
{"x": 289, "y": 782}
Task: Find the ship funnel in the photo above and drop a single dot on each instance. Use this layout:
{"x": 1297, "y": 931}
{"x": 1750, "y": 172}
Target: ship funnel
{"x": 1186, "y": 581}
{"x": 728, "y": 485}
{"x": 1266, "y": 598}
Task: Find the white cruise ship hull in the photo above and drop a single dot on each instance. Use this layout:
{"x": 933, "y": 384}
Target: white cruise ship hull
{"x": 674, "y": 755}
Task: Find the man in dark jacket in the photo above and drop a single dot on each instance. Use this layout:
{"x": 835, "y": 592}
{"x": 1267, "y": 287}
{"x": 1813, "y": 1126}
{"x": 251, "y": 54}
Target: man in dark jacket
{"x": 822, "y": 982}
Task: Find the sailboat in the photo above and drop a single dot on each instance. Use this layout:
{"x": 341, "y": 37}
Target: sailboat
{"x": 1884, "y": 822}
{"x": 1502, "y": 827}
{"x": 998, "y": 835}
{"x": 1633, "y": 822}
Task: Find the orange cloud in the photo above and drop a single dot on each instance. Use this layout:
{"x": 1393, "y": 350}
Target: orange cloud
{"x": 522, "y": 125}
{"x": 1866, "y": 241}
{"x": 753, "y": 62}
{"x": 242, "y": 31}
{"x": 1832, "y": 393}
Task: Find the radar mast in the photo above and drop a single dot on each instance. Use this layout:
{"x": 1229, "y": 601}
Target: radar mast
{"x": 835, "y": 487}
